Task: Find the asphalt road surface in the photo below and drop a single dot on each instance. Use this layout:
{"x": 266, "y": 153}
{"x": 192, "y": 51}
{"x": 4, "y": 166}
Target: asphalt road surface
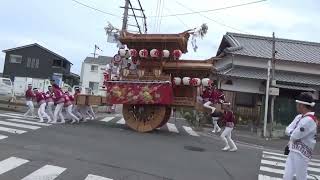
{"x": 106, "y": 149}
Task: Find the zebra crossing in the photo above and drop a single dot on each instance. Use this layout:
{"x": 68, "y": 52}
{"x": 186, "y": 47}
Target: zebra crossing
{"x": 47, "y": 171}
{"x": 14, "y": 123}
{"x": 272, "y": 167}
{"x": 170, "y": 127}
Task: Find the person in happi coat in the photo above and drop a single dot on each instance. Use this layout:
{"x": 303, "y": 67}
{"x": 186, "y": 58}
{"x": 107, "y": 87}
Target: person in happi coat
{"x": 50, "y": 101}
{"x": 29, "y": 98}
{"x": 77, "y": 108}
{"x": 229, "y": 120}
{"x": 68, "y": 104}
{"x": 302, "y": 132}
{"x": 59, "y": 101}
{"x": 41, "y": 100}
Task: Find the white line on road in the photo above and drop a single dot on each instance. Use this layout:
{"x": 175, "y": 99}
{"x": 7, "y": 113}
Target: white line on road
{"x": 282, "y": 155}
{"x": 172, "y": 128}
{"x": 47, "y": 172}
{"x": 190, "y": 131}
{"x": 94, "y": 177}
{"x": 3, "y": 136}
{"x": 280, "y": 171}
{"x": 121, "y": 121}
{"x": 264, "y": 177}
{"x": 284, "y": 159}
{"x": 107, "y": 119}
{"x": 29, "y": 122}
{"x": 14, "y": 116}
{"x": 11, "y": 130}
{"x": 19, "y": 125}
{"x": 11, "y": 163}
{"x": 281, "y": 164}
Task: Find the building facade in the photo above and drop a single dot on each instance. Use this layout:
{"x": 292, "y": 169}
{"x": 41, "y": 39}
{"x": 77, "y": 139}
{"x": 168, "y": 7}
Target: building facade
{"x": 92, "y": 69}
{"x": 242, "y": 74}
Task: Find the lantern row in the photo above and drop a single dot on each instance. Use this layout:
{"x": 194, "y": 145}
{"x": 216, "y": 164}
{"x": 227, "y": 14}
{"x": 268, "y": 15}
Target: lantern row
{"x": 154, "y": 53}
{"x": 192, "y": 81}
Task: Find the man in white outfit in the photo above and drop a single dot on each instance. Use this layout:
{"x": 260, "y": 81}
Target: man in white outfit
{"x": 29, "y": 98}
{"x": 302, "y": 132}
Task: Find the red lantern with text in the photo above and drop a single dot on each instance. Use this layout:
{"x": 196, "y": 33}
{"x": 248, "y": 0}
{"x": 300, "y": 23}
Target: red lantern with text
{"x": 177, "y": 54}
{"x": 133, "y": 53}
{"x": 143, "y": 53}
{"x": 195, "y": 82}
{"x": 155, "y": 53}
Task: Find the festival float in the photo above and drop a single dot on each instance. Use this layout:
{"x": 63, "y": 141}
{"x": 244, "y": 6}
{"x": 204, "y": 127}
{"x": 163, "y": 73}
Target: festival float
{"x": 151, "y": 78}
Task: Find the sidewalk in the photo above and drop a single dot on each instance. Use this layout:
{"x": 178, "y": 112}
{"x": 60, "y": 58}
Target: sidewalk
{"x": 247, "y": 137}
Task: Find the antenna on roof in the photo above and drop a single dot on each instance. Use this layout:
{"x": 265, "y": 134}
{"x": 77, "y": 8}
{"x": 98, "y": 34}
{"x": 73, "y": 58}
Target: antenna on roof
{"x": 95, "y": 50}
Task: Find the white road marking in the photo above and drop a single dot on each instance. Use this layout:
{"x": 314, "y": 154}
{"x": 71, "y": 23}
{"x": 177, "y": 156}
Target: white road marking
{"x": 11, "y": 163}
{"x": 16, "y": 114}
{"x": 280, "y": 171}
{"x": 19, "y": 117}
{"x": 190, "y": 131}
{"x": 264, "y": 177}
{"x": 19, "y": 125}
{"x": 107, "y": 119}
{"x": 172, "y": 128}
{"x": 11, "y": 130}
{"x": 281, "y": 164}
{"x": 94, "y": 177}
{"x": 29, "y": 122}
{"x": 3, "y": 136}
{"x": 265, "y": 155}
{"x": 47, "y": 172}
{"x": 121, "y": 121}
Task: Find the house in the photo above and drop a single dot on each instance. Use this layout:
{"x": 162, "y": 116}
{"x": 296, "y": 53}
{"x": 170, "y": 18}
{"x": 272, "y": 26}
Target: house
{"x": 92, "y": 73}
{"x": 242, "y": 74}
{"x": 36, "y": 61}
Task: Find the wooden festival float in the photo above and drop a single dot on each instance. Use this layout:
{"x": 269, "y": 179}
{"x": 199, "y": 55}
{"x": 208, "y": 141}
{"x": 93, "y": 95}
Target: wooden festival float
{"x": 159, "y": 81}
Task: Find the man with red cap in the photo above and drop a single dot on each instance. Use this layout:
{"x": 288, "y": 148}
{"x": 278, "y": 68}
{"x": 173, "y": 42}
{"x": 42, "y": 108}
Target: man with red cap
{"x": 302, "y": 132}
{"x": 29, "y": 97}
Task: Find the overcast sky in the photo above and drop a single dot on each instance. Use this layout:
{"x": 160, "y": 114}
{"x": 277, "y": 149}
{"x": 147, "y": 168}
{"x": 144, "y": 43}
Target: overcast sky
{"x": 71, "y": 30}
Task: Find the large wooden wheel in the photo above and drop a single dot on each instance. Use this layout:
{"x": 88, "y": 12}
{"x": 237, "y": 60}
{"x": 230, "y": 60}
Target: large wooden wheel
{"x": 144, "y": 118}
{"x": 166, "y": 117}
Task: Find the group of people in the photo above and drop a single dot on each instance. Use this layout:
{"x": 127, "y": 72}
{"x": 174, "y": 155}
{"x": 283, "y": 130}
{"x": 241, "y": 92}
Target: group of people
{"x": 302, "y": 130}
{"x": 213, "y": 97}
{"x": 52, "y": 103}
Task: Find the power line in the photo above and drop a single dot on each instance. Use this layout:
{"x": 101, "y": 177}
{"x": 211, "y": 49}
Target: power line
{"x": 93, "y": 8}
{"x": 217, "y": 22}
{"x": 210, "y": 10}
{"x": 179, "y": 19}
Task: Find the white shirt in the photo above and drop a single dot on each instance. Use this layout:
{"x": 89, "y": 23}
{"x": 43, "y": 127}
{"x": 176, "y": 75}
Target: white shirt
{"x": 302, "y": 131}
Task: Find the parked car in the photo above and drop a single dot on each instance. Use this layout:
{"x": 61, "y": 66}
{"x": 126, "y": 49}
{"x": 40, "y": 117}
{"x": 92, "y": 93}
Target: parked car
{"x": 6, "y": 89}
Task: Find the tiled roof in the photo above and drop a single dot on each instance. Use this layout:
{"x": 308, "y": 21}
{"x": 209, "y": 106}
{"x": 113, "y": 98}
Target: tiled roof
{"x": 101, "y": 60}
{"x": 260, "y": 73}
{"x": 260, "y": 46}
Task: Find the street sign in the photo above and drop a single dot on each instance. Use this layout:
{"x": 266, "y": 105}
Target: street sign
{"x": 274, "y": 91}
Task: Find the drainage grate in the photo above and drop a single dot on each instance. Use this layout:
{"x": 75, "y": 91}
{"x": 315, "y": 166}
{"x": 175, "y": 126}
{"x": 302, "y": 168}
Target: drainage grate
{"x": 194, "y": 148}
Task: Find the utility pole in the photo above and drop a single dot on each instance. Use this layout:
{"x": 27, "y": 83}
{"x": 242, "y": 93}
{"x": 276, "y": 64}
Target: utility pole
{"x": 95, "y": 50}
{"x": 125, "y": 16}
{"x": 266, "y": 105}
{"x": 273, "y": 60}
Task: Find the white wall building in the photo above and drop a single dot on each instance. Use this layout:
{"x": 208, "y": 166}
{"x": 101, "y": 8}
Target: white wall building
{"x": 92, "y": 73}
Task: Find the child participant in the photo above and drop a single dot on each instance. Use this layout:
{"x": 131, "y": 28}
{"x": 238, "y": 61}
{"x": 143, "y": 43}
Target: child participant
{"x": 29, "y": 97}
{"x": 229, "y": 120}
{"x": 40, "y": 98}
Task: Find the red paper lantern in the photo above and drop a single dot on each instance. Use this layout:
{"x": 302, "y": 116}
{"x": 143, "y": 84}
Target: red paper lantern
{"x": 177, "y": 54}
{"x": 195, "y": 82}
{"x": 133, "y": 53}
{"x": 143, "y": 53}
{"x": 155, "y": 53}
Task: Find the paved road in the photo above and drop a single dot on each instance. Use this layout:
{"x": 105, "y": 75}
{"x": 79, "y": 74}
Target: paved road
{"x": 105, "y": 149}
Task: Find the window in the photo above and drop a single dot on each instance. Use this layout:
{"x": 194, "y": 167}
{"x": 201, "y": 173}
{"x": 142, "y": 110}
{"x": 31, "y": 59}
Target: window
{"x": 245, "y": 99}
{"x": 15, "y": 59}
{"x": 94, "y": 68}
{"x": 57, "y": 62}
{"x": 29, "y": 63}
{"x": 94, "y": 86}
{"x": 37, "y": 63}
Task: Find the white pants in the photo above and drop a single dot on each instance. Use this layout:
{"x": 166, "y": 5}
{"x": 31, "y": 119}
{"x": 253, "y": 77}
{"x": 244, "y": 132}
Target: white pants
{"x": 297, "y": 165}
{"x": 69, "y": 112}
{"x": 76, "y": 111}
{"x": 50, "y": 106}
{"x": 42, "y": 113}
{"x": 215, "y": 124}
{"x": 31, "y": 108}
{"x": 207, "y": 105}
{"x": 226, "y": 137}
{"x": 58, "y": 112}
{"x": 91, "y": 112}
